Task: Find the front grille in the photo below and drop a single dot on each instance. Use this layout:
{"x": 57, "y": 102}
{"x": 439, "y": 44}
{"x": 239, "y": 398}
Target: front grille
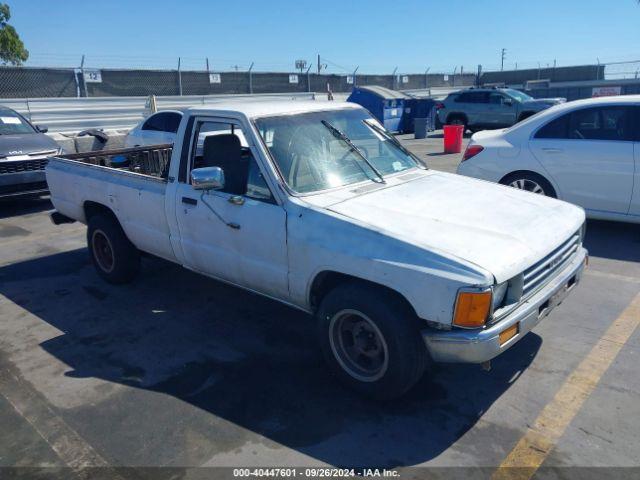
{"x": 22, "y": 166}
{"x": 539, "y": 273}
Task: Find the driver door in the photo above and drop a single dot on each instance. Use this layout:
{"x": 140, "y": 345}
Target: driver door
{"x": 238, "y": 233}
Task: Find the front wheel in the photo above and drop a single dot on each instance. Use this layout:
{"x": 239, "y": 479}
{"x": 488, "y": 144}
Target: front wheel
{"x": 371, "y": 340}
{"x": 530, "y": 182}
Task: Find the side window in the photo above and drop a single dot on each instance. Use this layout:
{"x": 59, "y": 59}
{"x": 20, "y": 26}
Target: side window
{"x": 602, "y": 123}
{"x": 496, "y": 98}
{"x": 472, "y": 97}
{"x": 155, "y": 123}
{"x": 557, "y": 128}
{"x": 172, "y": 122}
{"x": 221, "y": 144}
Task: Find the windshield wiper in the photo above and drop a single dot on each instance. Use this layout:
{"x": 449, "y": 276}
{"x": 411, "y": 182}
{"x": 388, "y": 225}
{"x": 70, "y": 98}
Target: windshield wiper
{"x": 341, "y": 136}
{"x": 373, "y": 126}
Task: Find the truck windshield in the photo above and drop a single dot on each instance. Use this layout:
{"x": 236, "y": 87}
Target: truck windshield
{"x": 313, "y": 157}
{"x": 13, "y": 124}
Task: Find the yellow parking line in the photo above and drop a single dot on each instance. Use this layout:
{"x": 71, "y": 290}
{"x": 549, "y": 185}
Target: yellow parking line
{"x": 534, "y": 447}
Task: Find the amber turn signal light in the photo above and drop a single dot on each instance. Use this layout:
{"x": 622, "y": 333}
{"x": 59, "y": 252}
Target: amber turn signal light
{"x": 472, "y": 309}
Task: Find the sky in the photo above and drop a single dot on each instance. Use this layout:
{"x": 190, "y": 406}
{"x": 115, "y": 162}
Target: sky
{"x": 375, "y": 36}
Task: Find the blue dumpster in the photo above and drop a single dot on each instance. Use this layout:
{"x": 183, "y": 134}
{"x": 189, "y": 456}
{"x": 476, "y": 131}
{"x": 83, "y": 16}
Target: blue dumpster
{"x": 387, "y": 105}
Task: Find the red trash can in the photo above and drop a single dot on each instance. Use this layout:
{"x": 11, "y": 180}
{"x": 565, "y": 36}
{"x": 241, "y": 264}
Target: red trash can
{"x": 453, "y": 138}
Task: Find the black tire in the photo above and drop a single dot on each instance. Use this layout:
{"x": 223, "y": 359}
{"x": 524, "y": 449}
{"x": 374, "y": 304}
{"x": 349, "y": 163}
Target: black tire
{"x": 402, "y": 345}
{"x": 115, "y": 258}
{"x": 530, "y": 182}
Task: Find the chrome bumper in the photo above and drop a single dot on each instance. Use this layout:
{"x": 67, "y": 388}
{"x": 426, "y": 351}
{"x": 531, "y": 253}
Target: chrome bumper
{"x": 477, "y": 346}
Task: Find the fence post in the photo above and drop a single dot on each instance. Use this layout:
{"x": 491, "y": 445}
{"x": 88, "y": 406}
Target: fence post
{"x": 179, "y": 78}
{"x": 355, "y": 83}
{"x": 84, "y": 81}
{"x": 393, "y": 79}
{"x": 426, "y": 78}
{"x": 251, "y": 78}
{"x": 309, "y": 79}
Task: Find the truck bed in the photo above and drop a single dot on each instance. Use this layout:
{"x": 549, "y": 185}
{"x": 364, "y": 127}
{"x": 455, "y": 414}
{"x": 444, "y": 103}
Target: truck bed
{"x": 151, "y": 161}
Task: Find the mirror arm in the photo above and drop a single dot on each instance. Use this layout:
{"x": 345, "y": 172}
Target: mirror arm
{"x": 233, "y": 225}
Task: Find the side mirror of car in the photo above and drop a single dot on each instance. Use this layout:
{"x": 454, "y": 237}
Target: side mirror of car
{"x": 207, "y": 178}
{"x": 42, "y": 128}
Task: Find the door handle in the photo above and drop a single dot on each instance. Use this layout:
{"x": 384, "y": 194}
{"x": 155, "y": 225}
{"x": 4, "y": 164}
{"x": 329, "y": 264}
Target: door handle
{"x": 189, "y": 201}
{"x": 552, "y": 150}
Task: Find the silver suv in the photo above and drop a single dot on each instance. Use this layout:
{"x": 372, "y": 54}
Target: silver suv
{"x": 488, "y": 108}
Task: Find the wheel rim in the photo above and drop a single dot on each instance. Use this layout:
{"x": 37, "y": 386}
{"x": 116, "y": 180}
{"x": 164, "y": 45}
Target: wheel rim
{"x": 528, "y": 185}
{"x": 102, "y": 251}
{"x": 358, "y": 345}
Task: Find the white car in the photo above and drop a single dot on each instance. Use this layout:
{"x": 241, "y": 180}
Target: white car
{"x": 586, "y": 152}
{"x": 159, "y": 128}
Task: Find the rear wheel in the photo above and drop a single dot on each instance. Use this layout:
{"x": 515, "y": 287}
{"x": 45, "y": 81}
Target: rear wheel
{"x": 530, "y": 182}
{"x": 115, "y": 258}
{"x": 371, "y": 340}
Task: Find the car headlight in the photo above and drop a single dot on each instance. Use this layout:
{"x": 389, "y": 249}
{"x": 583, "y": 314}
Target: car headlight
{"x": 499, "y": 292}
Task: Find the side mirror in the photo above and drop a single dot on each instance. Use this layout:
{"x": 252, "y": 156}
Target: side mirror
{"x": 42, "y": 128}
{"x": 207, "y": 178}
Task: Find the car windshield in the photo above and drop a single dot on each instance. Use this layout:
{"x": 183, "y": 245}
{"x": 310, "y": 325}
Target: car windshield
{"x": 12, "y": 124}
{"x": 518, "y": 95}
{"x": 313, "y": 151}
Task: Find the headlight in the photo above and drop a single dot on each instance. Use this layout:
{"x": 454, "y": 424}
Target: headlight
{"x": 583, "y": 231}
{"x": 499, "y": 292}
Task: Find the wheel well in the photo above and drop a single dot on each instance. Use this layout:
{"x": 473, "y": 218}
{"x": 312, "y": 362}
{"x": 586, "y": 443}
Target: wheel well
{"x": 92, "y": 209}
{"x": 326, "y": 281}
{"x": 525, "y": 115}
{"x": 453, "y": 115}
{"x": 503, "y": 180}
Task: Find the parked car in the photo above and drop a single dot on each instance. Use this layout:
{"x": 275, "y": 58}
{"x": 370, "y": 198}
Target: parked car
{"x": 490, "y": 108}
{"x": 325, "y": 211}
{"x": 24, "y": 149}
{"x": 586, "y": 152}
{"x": 158, "y": 128}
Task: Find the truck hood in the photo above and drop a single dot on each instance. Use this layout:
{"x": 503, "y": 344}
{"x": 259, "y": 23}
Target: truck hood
{"x": 500, "y": 229}
{"x": 24, "y": 144}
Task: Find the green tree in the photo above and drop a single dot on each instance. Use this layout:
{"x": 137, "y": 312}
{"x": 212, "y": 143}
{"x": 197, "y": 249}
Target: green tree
{"x": 11, "y": 47}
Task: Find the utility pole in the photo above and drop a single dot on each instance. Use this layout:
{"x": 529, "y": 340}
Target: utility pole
{"x": 478, "y": 76}
{"x": 503, "y": 55}
{"x": 319, "y": 64}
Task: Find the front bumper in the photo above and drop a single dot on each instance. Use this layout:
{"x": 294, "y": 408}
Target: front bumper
{"x": 477, "y": 346}
{"x": 22, "y": 183}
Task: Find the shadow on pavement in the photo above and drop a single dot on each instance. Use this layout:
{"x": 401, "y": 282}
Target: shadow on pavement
{"x": 614, "y": 240}
{"x": 238, "y": 357}
{"x": 24, "y": 206}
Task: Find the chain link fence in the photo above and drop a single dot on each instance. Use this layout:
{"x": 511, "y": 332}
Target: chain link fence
{"x": 31, "y": 82}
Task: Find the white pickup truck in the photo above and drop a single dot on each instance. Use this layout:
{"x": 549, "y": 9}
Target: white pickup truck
{"x": 317, "y": 206}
